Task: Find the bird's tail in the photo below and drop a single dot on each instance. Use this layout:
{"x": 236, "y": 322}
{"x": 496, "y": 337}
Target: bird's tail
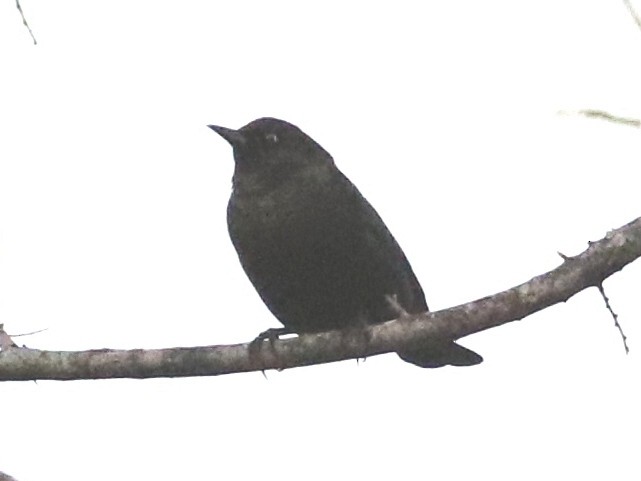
{"x": 440, "y": 354}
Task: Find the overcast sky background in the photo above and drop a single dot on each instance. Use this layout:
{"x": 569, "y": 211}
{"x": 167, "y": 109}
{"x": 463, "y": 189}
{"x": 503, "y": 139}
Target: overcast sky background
{"x": 445, "y": 114}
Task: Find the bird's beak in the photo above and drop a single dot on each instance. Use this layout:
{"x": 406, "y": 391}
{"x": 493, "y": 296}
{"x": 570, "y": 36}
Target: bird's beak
{"x": 234, "y": 137}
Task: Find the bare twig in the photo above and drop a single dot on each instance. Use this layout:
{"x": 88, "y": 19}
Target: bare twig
{"x": 24, "y": 21}
{"x": 600, "y": 114}
{"x": 30, "y": 333}
{"x": 615, "y": 317}
{"x": 633, "y": 12}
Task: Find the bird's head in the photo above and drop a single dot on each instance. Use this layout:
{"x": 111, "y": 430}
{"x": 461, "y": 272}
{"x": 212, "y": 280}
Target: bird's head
{"x": 273, "y": 149}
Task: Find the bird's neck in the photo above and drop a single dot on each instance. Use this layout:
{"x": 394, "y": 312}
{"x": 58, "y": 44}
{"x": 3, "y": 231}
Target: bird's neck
{"x": 282, "y": 182}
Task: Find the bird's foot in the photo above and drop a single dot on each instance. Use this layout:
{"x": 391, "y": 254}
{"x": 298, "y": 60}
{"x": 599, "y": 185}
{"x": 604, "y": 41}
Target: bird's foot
{"x": 270, "y": 335}
{"x": 358, "y": 335}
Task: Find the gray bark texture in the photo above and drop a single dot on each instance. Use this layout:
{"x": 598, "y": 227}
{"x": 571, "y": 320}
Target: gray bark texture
{"x": 6, "y": 477}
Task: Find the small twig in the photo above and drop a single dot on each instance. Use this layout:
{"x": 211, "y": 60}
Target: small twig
{"x": 392, "y": 301}
{"x": 615, "y": 317}
{"x": 24, "y": 22}
{"x": 633, "y": 12}
{"x": 29, "y": 333}
{"x": 600, "y": 114}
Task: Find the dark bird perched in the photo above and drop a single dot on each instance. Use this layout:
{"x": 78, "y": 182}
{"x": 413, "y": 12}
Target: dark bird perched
{"x": 316, "y": 251}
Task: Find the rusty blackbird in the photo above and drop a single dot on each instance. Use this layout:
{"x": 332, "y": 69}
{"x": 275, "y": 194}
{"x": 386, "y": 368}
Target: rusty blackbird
{"x": 316, "y": 251}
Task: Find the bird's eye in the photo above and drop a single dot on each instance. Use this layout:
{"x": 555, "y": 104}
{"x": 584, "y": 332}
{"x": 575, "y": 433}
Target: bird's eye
{"x": 272, "y": 138}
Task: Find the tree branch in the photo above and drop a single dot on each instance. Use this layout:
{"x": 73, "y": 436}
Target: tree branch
{"x": 590, "y": 268}
{"x": 6, "y": 477}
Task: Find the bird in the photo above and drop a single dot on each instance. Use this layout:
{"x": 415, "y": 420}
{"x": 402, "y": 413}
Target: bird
{"x": 316, "y": 251}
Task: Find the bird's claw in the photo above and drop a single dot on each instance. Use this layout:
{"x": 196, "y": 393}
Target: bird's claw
{"x": 271, "y": 335}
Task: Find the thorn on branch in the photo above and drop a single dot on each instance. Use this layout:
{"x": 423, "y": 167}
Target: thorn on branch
{"x": 615, "y": 317}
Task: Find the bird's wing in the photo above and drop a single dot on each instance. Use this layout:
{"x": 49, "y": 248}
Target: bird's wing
{"x": 384, "y": 257}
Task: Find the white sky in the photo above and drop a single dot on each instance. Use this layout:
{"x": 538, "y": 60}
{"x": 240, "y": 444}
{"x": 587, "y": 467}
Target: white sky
{"x": 113, "y": 234}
